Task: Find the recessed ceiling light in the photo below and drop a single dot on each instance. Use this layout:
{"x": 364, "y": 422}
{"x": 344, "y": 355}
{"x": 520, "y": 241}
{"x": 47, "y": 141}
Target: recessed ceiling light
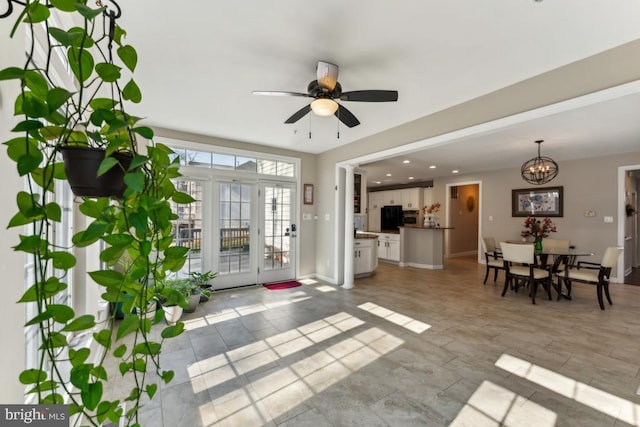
{"x": 432, "y": 167}
{"x": 388, "y": 174}
{"x": 406, "y": 161}
{"x": 455, "y": 171}
{"x": 411, "y": 177}
{"x": 377, "y": 182}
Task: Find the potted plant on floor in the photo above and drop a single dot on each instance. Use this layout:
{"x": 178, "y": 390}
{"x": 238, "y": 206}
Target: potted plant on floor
{"x": 201, "y": 280}
{"x": 89, "y": 113}
{"x": 174, "y": 294}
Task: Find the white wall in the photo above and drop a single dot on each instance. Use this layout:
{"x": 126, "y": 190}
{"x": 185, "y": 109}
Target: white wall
{"x": 12, "y": 355}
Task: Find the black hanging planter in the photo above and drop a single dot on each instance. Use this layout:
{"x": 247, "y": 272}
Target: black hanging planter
{"x": 81, "y": 166}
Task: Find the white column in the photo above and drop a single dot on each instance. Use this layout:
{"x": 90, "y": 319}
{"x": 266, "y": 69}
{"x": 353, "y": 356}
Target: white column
{"x": 348, "y": 227}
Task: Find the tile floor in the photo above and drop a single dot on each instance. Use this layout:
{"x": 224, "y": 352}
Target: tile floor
{"x": 406, "y": 347}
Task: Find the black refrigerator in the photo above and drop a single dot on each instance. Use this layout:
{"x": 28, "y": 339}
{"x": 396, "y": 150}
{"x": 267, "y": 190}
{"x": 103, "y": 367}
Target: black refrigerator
{"x": 391, "y": 218}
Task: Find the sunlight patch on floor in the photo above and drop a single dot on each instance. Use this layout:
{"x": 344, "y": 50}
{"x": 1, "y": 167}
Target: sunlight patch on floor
{"x": 395, "y": 317}
{"x": 492, "y": 405}
{"x": 280, "y": 390}
{"x": 590, "y": 396}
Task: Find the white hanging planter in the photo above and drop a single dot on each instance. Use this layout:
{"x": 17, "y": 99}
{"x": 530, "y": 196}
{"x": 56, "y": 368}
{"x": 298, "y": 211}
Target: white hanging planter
{"x": 172, "y": 314}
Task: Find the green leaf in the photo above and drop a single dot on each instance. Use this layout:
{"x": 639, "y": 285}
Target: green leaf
{"x": 65, "y": 38}
{"x": 173, "y": 330}
{"x": 167, "y": 376}
{"x": 32, "y": 106}
{"x": 147, "y": 348}
{"x": 40, "y": 318}
{"x": 11, "y": 73}
{"x": 80, "y": 375}
{"x": 182, "y": 198}
{"x": 91, "y": 235}
{"x": 140, "y": 365}
{"x": 92, "y": 395}
{"x": 131, "y": 92}
{"x": 107, "y": 277}
{"x": 65, "y": 5}
{"x": 52, "y": 399}
{"x": 106, "y": 165}
{"x": 52, "y": 132}
{"x": 27, "y": 204}
{"x": 108, "y": 72}
{"x": 54, "y": 340}
{"x": 32, "y": 376}
{"x": 37, "y": 83}
{"x": 103, "y": 103}
{"x": 44, "y": 386}
{"x": 27, "y": 125}
{"x": 129, "y": 56}
{"x": 62, "y": 260}
{"x": 53, "y": 211}
{"x": 151, "y": 390}
{"x": 29, "y": 244}
{"x": 145, "y": 248}
{"x": 128, "y": 325}
{"x": 57, "y": 97}
{"x": 135, "y": 180}
{"x": 144, "y": 132}
{"x": 103, "y": 338}
{"x": 124, "y": 367}
{"x": 80, "y": 323}
{"x": 119, "y": 239}
{"x": 37, "y": 12}
{"x": 90, "y": 14}
{"x": 120, "y": 351}
{"x": 94, "y": 207}
{"x": 137, "y": 161}
{"x": 77, "y": 357}
{"x": 61, "y": 313}
{"x": 29, "y": 162}
{"x": 112, "y": 254}
{"x": 176, "y": 252}
{"x": 81, "y": 63}
{"x": 99, "y": 372}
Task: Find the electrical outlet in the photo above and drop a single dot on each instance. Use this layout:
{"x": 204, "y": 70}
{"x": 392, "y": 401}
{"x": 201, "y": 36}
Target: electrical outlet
{"x": 589, "y": 213}
{"x": 327, "y": 217}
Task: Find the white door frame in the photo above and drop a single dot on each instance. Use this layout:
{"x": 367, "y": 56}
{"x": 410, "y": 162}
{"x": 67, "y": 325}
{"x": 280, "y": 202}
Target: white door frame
{"x": 448, "y": 217}
{"x": 622, "y": 172}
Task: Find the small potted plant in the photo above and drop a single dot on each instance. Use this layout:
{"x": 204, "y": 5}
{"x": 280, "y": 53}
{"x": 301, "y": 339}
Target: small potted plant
{"x": 201, "y": 280}
{"x": 173, "y": 297}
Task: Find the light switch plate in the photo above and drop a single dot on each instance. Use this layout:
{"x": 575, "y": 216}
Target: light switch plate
{"x": 608, "y": 219}
{"x": 589, "y": 212}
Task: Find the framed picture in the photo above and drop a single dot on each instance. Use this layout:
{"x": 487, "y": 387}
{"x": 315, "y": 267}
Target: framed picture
{"x": 308, "y": 194}
{"x": 536, "y": 201}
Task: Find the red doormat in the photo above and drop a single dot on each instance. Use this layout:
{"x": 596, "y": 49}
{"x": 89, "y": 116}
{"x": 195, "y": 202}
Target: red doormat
{"x": 282, "y": 285}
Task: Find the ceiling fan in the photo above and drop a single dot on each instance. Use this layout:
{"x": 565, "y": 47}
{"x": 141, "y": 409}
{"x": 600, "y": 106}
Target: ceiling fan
{"x": 326, "y": 90}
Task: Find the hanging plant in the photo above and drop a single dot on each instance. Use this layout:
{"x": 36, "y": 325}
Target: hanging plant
{"x": 136, "y": 224}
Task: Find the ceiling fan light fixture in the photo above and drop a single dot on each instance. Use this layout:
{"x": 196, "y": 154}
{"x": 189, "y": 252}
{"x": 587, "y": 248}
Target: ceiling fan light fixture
{"x": 324, "y": 107}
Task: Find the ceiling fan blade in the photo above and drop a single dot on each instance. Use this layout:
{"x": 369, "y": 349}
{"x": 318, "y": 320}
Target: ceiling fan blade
{"x": 279, "y": 93}
{"x": 327, "y": 75}
{"x": 299, "y": 114}
{"x": 370, "y": 95}
{"x": 346, "y": 117}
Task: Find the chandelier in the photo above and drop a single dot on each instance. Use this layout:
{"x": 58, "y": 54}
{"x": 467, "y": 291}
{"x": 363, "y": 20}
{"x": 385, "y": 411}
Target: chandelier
{"x": 539, "y": 170}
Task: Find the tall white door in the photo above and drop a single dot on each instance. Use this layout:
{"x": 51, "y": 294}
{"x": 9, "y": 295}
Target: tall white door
{"x": 235, "y": 234}
{"x": 277, "y": 233}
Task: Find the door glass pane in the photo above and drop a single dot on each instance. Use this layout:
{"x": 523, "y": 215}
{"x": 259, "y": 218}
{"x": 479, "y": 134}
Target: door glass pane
{"x": 277, "y": 223}
{"x": 187, "y": 229}
{"x": 235, "y": 223}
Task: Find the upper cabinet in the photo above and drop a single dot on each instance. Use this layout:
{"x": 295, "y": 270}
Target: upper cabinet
{"x": 411, "y": 199}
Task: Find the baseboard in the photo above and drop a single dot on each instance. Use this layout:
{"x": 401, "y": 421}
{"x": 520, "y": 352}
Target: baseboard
{"x": 326, "y": 279}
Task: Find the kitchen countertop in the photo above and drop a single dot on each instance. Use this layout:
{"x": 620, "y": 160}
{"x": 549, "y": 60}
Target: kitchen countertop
{"x": 366, "y": 236}
{"x": 426, "y": 228}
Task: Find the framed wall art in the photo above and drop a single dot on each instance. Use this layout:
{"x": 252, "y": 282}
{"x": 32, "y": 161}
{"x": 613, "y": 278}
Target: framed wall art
{"x": 308, "y": 194}
{"x": 545, "y": 201}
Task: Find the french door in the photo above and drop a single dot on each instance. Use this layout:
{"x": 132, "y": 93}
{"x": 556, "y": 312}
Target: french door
{"x": 253, "y": 233}
{"x": 277, "y": 232}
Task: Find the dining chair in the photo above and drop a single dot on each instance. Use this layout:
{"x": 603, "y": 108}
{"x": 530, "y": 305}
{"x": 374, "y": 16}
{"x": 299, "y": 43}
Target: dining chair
{"x": 520, "y": 266}
{"x": 492, "y": 256}
{"x": 557, "y": 246}
{"x": 593, "y": 273}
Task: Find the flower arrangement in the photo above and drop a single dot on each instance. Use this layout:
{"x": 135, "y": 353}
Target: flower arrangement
{"x": 538, "y": 228}
{"x": 431, "y": 209}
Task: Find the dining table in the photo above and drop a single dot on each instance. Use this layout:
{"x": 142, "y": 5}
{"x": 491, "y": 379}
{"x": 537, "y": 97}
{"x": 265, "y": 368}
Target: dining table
{"x": 560, "y": 257}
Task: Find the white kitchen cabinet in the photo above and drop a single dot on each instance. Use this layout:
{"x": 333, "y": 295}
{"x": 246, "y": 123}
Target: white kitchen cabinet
{"x": 373, "y": 217}
{"x": 389, "y": 246}
{"x": 365, "y": 256}
{"x": 359, "y": 193}
{"x": 411, "y": 199}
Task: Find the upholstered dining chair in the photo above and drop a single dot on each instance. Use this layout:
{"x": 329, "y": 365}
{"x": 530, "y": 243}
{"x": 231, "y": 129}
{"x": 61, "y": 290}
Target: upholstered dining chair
{"x": 520, "y": 266}
{"x": 593, "y": 274}
{"x": 557, "y": 246}
{"x": 493, "y": 258}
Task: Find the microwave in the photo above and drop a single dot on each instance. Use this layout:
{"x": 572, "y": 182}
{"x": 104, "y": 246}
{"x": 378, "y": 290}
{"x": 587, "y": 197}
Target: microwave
{"x": 410, "y": 217}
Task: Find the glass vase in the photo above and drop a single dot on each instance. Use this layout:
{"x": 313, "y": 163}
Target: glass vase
{"x": 538, "y": 244}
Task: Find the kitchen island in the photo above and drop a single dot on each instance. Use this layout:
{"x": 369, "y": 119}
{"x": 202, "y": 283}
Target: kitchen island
{"x": 422, "y": 247}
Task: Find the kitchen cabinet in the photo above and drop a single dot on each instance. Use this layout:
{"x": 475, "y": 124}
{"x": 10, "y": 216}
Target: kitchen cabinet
{"x": 373, "y": 217}
{"x": 411, "y": 199}
{"x": 365, "y": 256}
{"x": 389, "y": 246}
{"x": 359, "y": 193}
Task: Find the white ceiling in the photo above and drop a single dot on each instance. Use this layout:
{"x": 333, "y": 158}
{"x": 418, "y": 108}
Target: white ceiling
{"x": 199, "y": 62}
